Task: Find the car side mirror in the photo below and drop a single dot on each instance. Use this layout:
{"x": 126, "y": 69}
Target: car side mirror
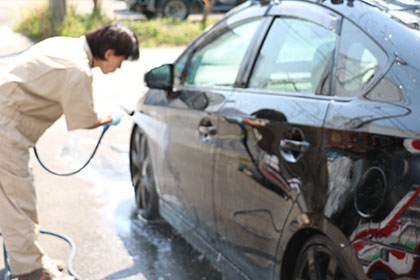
{"x": 161, "y": 77}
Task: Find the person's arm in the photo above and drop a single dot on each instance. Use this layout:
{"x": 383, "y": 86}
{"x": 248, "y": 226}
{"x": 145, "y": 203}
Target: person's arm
{"x": 102, "y": 121}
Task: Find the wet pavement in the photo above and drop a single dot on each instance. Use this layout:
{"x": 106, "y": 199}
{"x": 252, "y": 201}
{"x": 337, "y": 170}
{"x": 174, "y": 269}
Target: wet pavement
{"x": 96, "y": 207}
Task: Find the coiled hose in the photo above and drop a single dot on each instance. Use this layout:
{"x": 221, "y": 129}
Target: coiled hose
{"x": 7, "y": 274}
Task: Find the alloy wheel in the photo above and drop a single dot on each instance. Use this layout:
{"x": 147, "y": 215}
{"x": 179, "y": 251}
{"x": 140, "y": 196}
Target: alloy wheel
{"x": 319, "y": 260}
{"x": 142, "y": 175}
{"x": 175, "y": 8}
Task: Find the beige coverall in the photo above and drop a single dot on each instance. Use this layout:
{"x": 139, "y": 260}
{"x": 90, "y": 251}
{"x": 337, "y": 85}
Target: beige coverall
{"x": 51, "y": 78}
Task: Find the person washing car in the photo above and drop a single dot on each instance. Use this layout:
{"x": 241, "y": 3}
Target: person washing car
{"x": 50, "y": 79}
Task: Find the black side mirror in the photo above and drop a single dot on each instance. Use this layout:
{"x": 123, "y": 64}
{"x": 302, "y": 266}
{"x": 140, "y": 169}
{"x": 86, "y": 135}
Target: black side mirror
{"x": 161, "y": 77}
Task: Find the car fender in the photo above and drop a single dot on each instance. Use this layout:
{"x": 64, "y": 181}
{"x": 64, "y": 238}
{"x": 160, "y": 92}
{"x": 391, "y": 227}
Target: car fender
{"x": 298, "y": 228}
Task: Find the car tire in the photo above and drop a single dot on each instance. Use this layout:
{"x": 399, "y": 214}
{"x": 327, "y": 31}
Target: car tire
{"x": 320, "y": 259}
{"x": 179, "y": 9}
{"x": 142, "y": 176}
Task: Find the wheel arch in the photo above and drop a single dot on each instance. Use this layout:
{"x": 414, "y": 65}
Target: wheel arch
{"x": 293, "y": 248}
{"x": 301, "y": 228}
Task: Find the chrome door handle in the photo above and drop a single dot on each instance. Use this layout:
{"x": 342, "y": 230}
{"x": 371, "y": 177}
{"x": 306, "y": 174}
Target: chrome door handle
{"x": 211, "y": 130}
{"x": 292, "y": 150}
{"x": 293, "y": 145}
{"x": 206, "y": 132}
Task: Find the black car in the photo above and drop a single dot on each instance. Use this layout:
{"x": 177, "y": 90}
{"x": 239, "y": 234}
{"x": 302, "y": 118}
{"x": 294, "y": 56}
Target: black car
{"x": 285, "y": 141}
{"x": 178, "y": 8}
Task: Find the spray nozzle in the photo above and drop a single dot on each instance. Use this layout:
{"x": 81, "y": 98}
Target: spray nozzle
{"x": 130, "y": 113}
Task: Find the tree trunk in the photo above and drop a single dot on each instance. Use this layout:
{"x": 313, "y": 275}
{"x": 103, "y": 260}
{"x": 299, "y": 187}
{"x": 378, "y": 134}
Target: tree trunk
{"x": 208, "y": 7}
{"x": 97, "y": 7}
{"x": 57, "y": 9}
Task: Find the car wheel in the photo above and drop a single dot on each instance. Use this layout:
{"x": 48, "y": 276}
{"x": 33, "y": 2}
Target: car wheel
{"x": 175, "y": 8}
{"x": 142, "y": 175}
{"x": 320, "y": 259}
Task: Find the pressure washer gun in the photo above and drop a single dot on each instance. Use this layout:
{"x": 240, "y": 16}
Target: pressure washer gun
{"x": 116, "y": 119}
{"x": 130, "y": 113}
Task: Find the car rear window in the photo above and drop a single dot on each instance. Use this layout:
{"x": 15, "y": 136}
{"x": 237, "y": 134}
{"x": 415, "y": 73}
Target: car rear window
{"x": 359, "y": 60}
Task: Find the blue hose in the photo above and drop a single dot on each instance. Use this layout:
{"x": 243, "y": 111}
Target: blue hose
{"x": 7, "y": 275}
{"x": 15, "y": 53}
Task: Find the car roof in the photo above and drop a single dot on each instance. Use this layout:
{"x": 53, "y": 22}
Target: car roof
{"x": 403, "y": 11}
{"x": 387, "y": 23}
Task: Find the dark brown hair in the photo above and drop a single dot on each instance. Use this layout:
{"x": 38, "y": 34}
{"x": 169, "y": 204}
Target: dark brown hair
{"x": 114, "y": 36}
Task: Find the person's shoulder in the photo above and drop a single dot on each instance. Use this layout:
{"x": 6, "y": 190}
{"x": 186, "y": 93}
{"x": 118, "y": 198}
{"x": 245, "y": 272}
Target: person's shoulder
{"x": 62, "y": 52}
{"x": 59, "y": 42}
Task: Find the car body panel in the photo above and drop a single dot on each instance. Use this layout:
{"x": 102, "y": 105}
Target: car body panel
{"x": 255, "y": 187}
{"x": 368, "y": 161}
{"x": 254, "y": 173}
{"x": 190, "y": 155}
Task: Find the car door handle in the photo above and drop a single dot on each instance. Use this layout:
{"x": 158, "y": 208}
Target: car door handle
{"x": 208, "y": 130}
{"x": 293, "y": 145}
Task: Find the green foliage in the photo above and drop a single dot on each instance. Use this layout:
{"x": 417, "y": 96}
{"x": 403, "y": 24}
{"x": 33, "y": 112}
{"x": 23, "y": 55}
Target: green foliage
{"x": 166, "y": 31}
{"x": 37, "y": 24}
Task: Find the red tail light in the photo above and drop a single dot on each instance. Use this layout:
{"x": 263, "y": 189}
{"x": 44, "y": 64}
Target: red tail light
{"x": 412, "y": 145}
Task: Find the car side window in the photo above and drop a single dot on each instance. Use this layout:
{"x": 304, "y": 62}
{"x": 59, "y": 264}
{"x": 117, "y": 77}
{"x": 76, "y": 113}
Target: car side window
{"x": 359, "y": 60}
{"x": 296, "y": 57}
{"x": 218, "y": 62}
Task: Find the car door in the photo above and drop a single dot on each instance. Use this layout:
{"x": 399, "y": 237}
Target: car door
{"x": 205, "y": 82}
{"x": 269, "y": 140}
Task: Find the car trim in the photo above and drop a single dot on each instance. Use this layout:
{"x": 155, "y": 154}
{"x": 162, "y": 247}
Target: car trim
{"x": 319, "y": 14}
{"x": 284, "y": 93}
{"x": 251, "y": 55}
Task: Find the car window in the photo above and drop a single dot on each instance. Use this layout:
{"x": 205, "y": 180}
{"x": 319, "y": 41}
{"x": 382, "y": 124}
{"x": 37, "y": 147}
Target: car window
{"x": 295, "y": 57}
{"x": 359, "y": 60}
{"x": 218, "y": 62}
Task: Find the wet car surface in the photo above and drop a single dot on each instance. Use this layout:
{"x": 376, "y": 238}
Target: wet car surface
{"x": 284, "y": 141}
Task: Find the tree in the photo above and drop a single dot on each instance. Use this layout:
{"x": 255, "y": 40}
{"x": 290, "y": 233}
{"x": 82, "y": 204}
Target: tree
{"x": 57, "y": 9}
{"x": 208, "y": 7}
{"x": 97, "y": 7}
